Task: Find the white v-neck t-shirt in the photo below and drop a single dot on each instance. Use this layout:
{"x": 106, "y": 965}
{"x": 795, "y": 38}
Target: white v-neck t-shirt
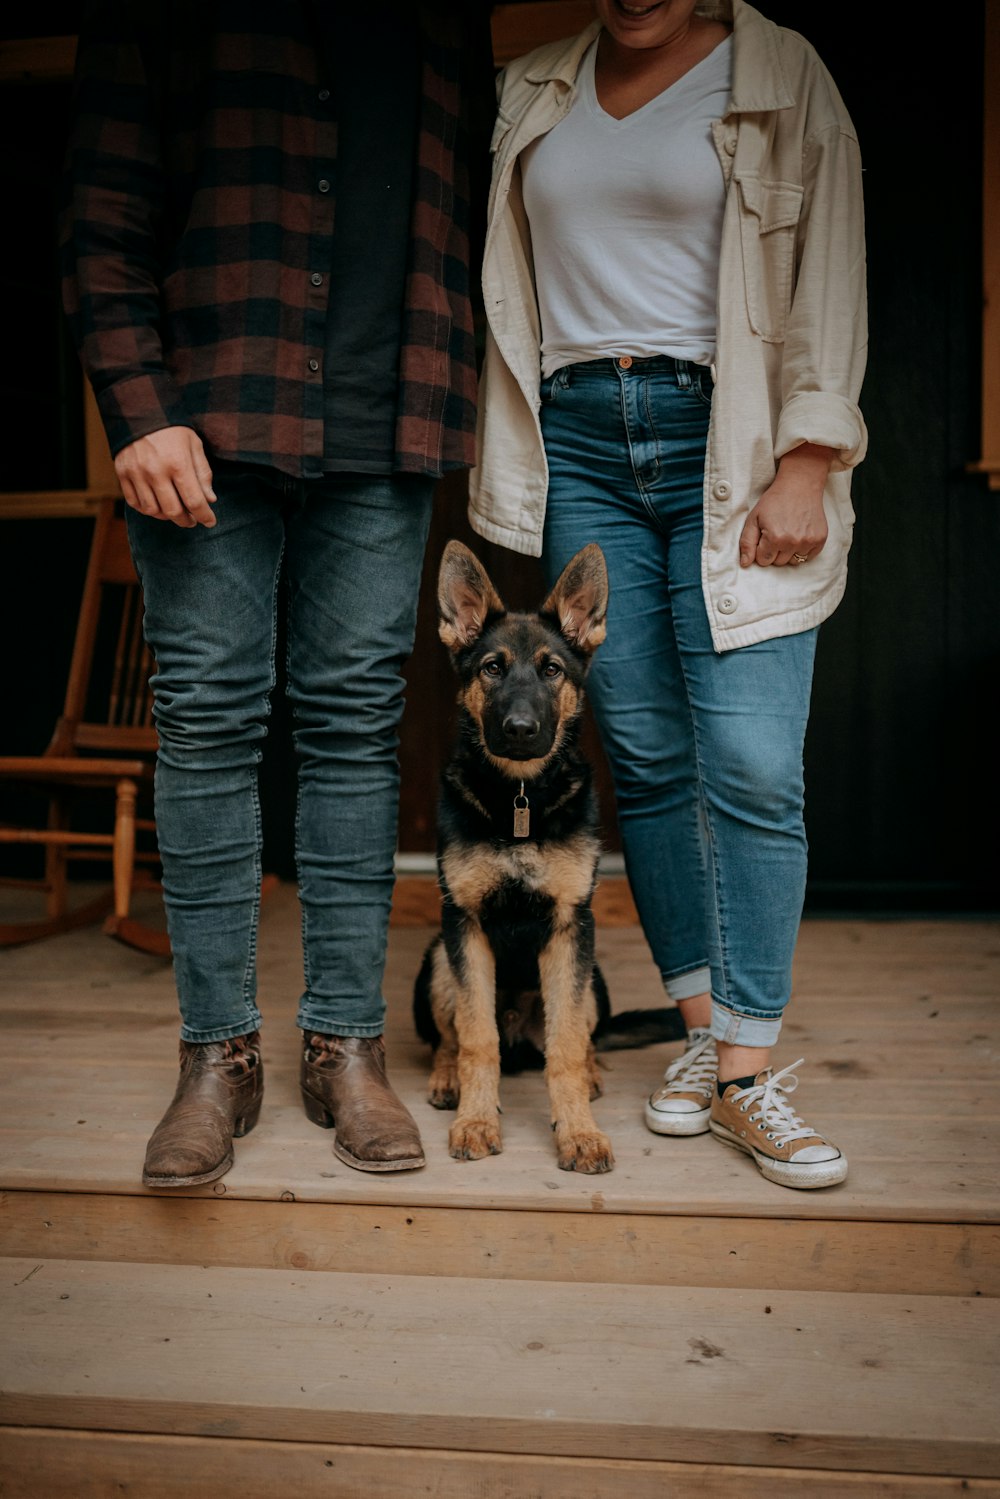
{"x": 626, "y": 221}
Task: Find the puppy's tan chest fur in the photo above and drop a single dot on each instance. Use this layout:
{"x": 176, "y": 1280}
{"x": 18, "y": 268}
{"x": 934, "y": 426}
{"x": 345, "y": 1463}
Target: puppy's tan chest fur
{"x": 564, "y": 872}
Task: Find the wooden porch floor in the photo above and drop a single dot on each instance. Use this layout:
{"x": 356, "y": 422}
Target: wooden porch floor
{"x": 893, "y": 1276}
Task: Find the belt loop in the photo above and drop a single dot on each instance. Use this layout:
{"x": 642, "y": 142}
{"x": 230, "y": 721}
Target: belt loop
{"x": 683, "y": 373}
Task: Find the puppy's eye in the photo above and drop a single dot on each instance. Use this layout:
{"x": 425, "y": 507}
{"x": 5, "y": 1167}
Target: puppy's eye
{"x": 552, "y": 669}
{"x": 492, "y": 669}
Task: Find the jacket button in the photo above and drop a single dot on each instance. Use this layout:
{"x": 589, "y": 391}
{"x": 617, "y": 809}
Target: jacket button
{"x": 727, "y": 604}
{"x": 730, "y": 145}
{"x": 314, "y": 365}
{"x": 722, "y": 490}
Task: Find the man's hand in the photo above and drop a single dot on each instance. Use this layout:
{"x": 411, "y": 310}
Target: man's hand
{"x": 788, "y": 524}
{"x": 167, "y": 477}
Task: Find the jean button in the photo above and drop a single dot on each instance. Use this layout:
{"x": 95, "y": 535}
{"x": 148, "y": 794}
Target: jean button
{"x": 625, "y": 362}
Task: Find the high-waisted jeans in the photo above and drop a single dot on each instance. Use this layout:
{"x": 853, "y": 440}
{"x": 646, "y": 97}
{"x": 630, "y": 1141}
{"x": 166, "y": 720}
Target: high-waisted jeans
{"x": 705, "y": 747}
{"x": 353, "y": 548}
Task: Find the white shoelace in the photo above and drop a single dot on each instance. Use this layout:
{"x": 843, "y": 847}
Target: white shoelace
{"x": 694, "y": 1072}
{"x": 776, "y": 1114}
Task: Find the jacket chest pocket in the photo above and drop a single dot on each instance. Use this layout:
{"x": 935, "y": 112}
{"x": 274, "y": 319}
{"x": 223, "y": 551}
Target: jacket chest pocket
{"x": 769, "y": 216}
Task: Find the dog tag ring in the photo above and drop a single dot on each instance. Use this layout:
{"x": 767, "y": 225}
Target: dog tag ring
{"x": 522, "y": 815}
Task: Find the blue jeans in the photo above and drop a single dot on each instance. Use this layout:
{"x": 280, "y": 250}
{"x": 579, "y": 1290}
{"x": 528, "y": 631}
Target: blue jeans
{"x": 705, "y": 748}
{"x": 353, "y": 548}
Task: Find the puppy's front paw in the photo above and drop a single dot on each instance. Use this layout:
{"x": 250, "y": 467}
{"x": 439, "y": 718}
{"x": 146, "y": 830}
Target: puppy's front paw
{"x": 473, "y": 1139}
{"x": 443, "y": 1091}
{"x": 588, "y": 1151}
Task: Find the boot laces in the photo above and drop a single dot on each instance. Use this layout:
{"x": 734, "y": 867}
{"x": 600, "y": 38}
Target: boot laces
{"x": 240, "y": 1052}
{"x": 774, "y": 1113}
{"x": 693, "y": 1072}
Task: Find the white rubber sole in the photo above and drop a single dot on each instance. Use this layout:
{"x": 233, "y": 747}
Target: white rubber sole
{"x": 807, "y": 1176}
{"x": 695, "y": 1123}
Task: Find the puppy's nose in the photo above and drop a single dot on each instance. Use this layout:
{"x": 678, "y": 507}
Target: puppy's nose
{"x": 520, "y": 726}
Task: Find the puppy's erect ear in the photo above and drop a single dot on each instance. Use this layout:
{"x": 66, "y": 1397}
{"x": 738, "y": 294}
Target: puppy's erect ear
{"x": 465, "y": 596}
{"x": 580, "y": 599}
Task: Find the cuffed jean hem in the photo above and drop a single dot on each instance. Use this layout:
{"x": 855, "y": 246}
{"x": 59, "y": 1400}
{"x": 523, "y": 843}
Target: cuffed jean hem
{"x": 743, "y": 1030}
{"x": 687, "y": 985}
{"x": 203, "y": 1038}
{"x": 323, "y": 1025}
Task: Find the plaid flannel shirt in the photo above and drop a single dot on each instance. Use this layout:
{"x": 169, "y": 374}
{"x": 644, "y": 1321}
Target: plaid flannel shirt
{"x": 200, "y": 206}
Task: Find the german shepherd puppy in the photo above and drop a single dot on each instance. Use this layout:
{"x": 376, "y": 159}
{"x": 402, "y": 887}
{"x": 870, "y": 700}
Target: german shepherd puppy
{"x": 510, "y": 981}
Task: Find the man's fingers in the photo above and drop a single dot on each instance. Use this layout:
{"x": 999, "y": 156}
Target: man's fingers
{"x": 192, "y": 495}
{"x": 202, "y": 468}
{"x": 167, "y": 476}
{"x": 145, "y": 498}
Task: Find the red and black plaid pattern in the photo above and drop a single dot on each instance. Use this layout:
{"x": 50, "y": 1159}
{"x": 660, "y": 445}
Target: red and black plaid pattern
{"x": 200, "y": 202}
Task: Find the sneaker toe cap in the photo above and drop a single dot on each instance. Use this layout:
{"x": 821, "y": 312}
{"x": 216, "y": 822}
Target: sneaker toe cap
{"x": 811, "y": 1155}
{"x": 673, "y": 1105}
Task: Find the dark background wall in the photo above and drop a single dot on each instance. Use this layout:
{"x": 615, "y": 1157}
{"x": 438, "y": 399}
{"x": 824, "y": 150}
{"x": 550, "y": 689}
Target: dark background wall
{"x": 902, "y": 795}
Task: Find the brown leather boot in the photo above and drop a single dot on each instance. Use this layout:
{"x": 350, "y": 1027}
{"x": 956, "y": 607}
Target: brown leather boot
{"x": 218, "y": 1098}
{"x": 344, "y": 1086}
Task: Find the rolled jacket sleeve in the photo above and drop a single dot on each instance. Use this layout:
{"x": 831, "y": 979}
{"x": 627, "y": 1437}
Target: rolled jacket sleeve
{"x": 826, "y": 341}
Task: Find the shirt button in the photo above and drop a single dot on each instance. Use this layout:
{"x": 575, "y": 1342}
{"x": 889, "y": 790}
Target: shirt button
{"x": 316, "y": 279}
{"x": 314, "y": 365}
{"x": 722, "y": 490}
{"x": 625, "y": 362}
{"x": 323, "y": 95}
{"x": 323, "y": 185}
{"x": 727, "y": 604}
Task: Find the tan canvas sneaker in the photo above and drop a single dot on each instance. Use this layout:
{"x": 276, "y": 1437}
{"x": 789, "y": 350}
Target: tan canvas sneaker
{"x": 761, "y": 1121}
{"x": 682, "y": 1104}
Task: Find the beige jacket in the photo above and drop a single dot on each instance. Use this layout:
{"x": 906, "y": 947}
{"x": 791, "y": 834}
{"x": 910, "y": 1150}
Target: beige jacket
{"x": 792, "y": 319}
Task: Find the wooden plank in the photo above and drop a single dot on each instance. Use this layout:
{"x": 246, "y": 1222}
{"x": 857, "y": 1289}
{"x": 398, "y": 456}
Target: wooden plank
{"x": 617, "y": 1248}
{"x": 907, "y": 1086}
{"x": 989, "y": 452}
{"x": 36, "y": 59}
{"x": 286, "y": 1158}
{"x": 97, "y": 1465}
{"x": 888, "y": 1383}
{"x": 51, "y": 504}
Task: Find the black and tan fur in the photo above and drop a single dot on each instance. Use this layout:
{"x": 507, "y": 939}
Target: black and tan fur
{"x": 510, "y": 980}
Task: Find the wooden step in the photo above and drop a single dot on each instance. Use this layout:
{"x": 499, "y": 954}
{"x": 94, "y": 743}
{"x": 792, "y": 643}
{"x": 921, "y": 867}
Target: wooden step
{"x": 39, "y": 1463}
{"x": 811, "y": 1254}
{"x": 876, "y": 1384}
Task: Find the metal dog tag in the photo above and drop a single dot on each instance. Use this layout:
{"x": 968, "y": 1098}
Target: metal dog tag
{"x": 522, "y": 815}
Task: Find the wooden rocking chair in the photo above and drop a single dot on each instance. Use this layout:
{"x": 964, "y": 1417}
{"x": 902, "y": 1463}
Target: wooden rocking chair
{"x": 108, "y": 748}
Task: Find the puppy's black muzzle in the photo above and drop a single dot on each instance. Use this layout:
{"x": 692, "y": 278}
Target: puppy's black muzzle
{"x": 519, "y": 722}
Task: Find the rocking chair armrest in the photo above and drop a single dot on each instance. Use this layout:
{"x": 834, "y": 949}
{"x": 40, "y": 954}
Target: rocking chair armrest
{"x": 69, "y": 768}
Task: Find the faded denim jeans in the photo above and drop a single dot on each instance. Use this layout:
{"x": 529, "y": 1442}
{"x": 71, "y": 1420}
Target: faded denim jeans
{"x": 705, "y": 748}
{"x": 353, "y": 548}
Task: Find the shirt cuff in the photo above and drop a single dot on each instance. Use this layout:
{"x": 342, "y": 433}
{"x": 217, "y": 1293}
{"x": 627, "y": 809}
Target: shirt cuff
{"x": 828, "y": 420}
{"x": 134, "y": 407}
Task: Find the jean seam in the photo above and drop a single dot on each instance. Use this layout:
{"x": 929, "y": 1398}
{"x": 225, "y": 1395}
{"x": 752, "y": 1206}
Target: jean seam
{"x": 249, "y": 980}
{"x": 717, "y": 900}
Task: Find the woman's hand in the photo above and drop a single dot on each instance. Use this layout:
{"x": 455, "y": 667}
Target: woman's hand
{"x": 167, "y": 476}
{"x": 788, "y": 525}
